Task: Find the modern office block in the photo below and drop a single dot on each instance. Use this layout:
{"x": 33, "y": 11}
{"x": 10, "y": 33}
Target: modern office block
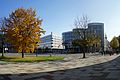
{"x": 98, "y": 28}
{"x": 51, "y": 41}
{"x": 77, "y": 33}
{"x": 67, "y": 39}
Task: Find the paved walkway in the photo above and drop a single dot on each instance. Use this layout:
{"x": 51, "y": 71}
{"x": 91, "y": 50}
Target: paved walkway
{"x": 73, "y": 67}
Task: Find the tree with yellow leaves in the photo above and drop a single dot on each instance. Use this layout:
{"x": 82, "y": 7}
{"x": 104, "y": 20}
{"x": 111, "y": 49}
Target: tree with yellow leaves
{"x": 23, "y": 30}
{"x": 114, "y": 43}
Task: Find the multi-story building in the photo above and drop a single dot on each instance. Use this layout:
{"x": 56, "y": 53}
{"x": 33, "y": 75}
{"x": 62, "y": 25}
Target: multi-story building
{"x": 98, "y": 28}
{"x": 51, "y": 41}
{"x": 68, "y": 37}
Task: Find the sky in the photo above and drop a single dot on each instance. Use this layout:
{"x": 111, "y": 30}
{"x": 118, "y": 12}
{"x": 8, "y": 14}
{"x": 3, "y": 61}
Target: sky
{"x": 59, "y": 15}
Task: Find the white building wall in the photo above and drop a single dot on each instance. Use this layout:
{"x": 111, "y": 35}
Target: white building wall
{"x": 51, "y": 41}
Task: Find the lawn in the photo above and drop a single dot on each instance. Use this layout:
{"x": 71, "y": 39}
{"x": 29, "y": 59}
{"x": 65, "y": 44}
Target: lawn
{"x": 30, "y": 58}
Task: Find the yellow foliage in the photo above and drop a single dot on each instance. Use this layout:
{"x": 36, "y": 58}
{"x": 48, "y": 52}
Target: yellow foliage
{"x": 23, "y": 29}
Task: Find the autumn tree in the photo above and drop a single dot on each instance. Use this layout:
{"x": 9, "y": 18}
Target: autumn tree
{"x": 119, "y": 42}
{"x": 83, "y": 36}
{"x": 93, "y": 41}
{"x": 23, "y": 30}
{"x": 114, "y": 43}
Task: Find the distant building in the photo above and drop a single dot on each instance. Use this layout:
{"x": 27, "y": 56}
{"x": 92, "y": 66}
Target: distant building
{"x": 68, "y": 37}
{"x": 51, "y": 41}
{"x": 7, "y": 47}
{"x": 98, "y": 28}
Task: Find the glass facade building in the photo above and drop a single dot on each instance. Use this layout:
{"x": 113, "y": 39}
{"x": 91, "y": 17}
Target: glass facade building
{"x": 68, "y": 37}
{"x": 98, "y": 28}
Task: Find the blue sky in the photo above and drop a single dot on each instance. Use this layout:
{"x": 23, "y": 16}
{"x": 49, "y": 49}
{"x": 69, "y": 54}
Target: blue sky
{"x": 58, "y": 15}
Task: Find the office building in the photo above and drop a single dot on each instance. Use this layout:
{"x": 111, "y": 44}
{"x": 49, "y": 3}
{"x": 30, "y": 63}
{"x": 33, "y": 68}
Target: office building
{"x": 51, "y": 41}
{"x": 67, "y": 37}
{"x": 98, "y": 28}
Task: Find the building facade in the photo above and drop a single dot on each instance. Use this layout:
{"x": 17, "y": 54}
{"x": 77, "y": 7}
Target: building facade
{"x": 98, "y": 28}
{"x": 51, "y": 41}
{"x": 68, "y": 37}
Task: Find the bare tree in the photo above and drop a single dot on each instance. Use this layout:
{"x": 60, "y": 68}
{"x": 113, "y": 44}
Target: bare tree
{"x": 82, "y": 22}
{"x": 81, "y": 25}
{"x": 83, "y": 37}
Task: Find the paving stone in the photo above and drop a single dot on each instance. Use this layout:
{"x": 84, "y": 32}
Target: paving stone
{"x": 5, "y": 77}
{"x": 23, "y": 74}
{"x": 114, "y": 75}
{"x": 1, "y": 78}
{"x": 73, "y": 68}
{"x": 46, "y": 77}
{"x": 114, "y": 69}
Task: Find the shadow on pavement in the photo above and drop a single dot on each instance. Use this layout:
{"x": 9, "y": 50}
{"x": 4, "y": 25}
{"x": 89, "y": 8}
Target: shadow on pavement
{"x": 104, "y": 71}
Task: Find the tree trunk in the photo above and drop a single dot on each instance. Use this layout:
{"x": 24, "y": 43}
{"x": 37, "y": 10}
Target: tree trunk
{"x": 2, "y": 48}
{"x": 2, "y": 54}
{"x": 84, "y": 55}
{"x": 83, "y": 52}
{"x": 36, "y": 52}
{"x": 22, "y": 54}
